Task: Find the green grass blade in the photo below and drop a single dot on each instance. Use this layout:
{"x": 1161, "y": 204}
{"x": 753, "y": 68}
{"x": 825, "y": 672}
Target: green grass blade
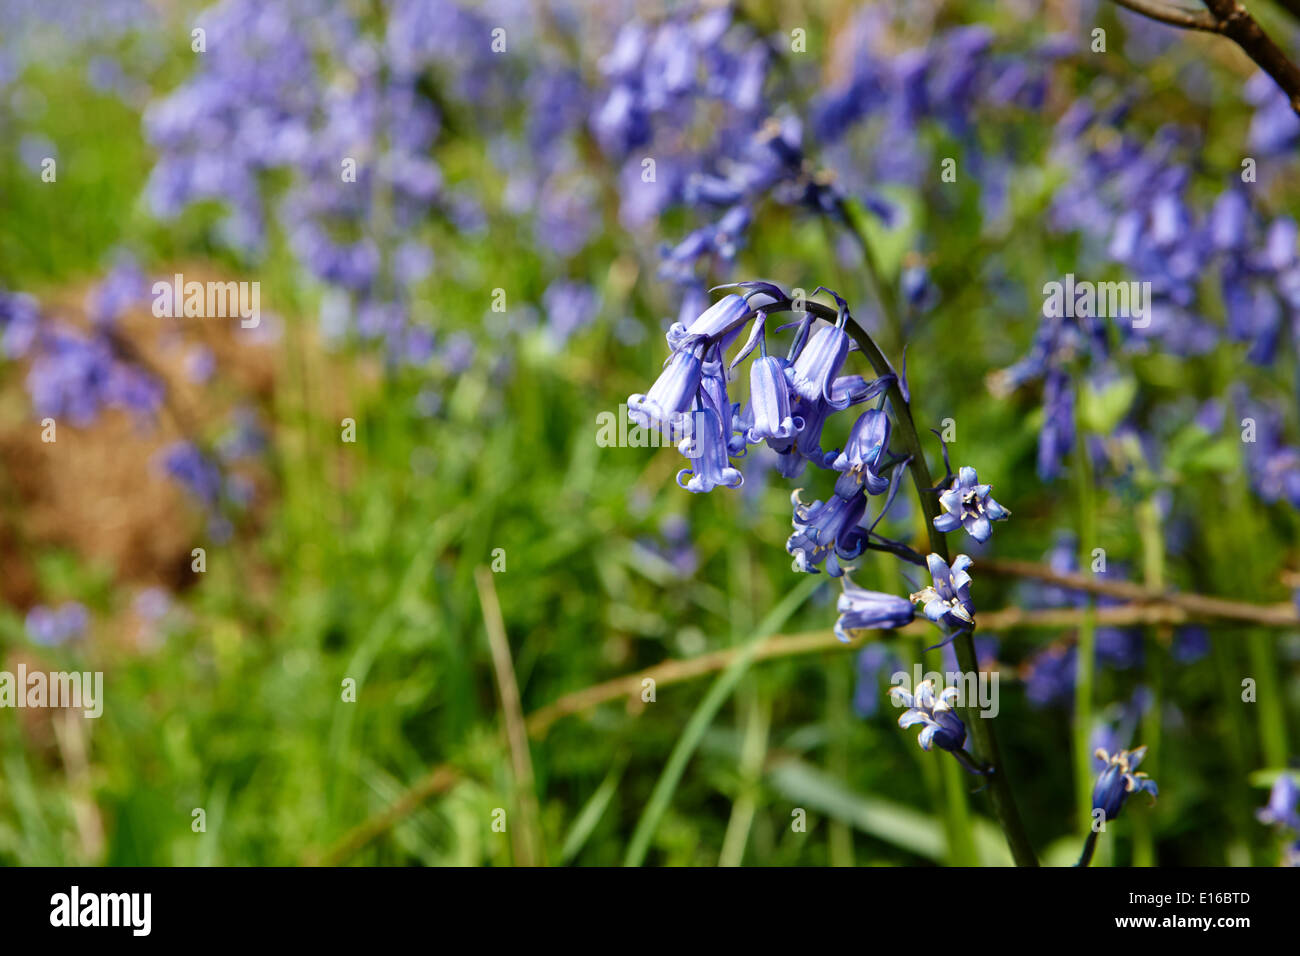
{"x": 708, "y": 708}
{"x": 585, "y": 823}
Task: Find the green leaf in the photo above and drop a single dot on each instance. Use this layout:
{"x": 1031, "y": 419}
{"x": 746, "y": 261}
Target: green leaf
{"x": 894, "y": 823}
{"x": 590, "y": 815}
{"x": 1102, "y": 409}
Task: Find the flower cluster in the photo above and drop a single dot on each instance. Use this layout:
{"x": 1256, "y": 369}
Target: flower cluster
{"x": 791, "y": 398}
{"x": 1132, "y": 200}
{"x": 344, "y": 127}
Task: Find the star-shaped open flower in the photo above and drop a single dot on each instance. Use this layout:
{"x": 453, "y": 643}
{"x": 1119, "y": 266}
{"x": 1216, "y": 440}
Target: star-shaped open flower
{"x": 968, "y": 504}
{"x": 1119, "y": 779}
{"x": 942, "y": 726}
{"x": 948, "y": 601}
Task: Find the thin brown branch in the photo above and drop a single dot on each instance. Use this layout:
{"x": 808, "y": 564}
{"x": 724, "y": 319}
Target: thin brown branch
{"x": 1195, "y": 606}
{"x": 438, "y": 780}
{"x": 1230, "y": 19}
{"x": 1172, "y": 15}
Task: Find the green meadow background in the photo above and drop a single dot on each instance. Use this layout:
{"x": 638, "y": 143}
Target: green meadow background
{"x": 373, "y": 561}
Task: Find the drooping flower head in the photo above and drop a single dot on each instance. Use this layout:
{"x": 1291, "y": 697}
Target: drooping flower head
{"x": 943, "y": 728}
{"x": 816, "y": 366}
{"x": 948, "y": 600}
{"x": 827, "y": 531}
{"x": 769, "y": 396}
{"x": 861, "y": 609}
{"x": 672, "y": 393}
{"x": 970, "y": 505}
{"x": 706, "y": 447}
{"x": 1118, "y": 779}
{"x": 864, "y": 455}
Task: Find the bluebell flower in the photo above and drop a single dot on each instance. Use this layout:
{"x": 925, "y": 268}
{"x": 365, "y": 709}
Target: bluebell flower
{"x": 769, "y": 396}
{"x": 721, "y": 317}
{"x": 706, "y": 447}
{"x": 827, "y": 531}
{"x": 1049, "y": 675}
{"x": 722, "y": 240}
{"x": 862, "y": 610}
{"x": 1282, "y": 799}
{"x": 864, "y": 454}
{"x": 968, "y": 504}
{"x": 943, "y": 728}
{"x": 815, "y": 368}
{"x": 1118, "y": 779}
{"x": 845, "y": 391}
{"x": 672, "y": 393}
{"x": 1274, "y": 129}
{"x": 1229, "y": 220}
{"x": 948, "y": 600}
{"x": 918, "y": 291}
{"x": 20, "y": 321}
{"x": 124, "y": 286}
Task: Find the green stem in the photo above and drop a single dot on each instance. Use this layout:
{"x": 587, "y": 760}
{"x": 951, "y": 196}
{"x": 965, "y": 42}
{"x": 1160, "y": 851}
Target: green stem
{"x": 957, "y": 818}
{"x": 983, "y": 737}
{"x": 880, "y": 290}
{"x": 1086, "y": 649}
{"x": 1089, "y": 845}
